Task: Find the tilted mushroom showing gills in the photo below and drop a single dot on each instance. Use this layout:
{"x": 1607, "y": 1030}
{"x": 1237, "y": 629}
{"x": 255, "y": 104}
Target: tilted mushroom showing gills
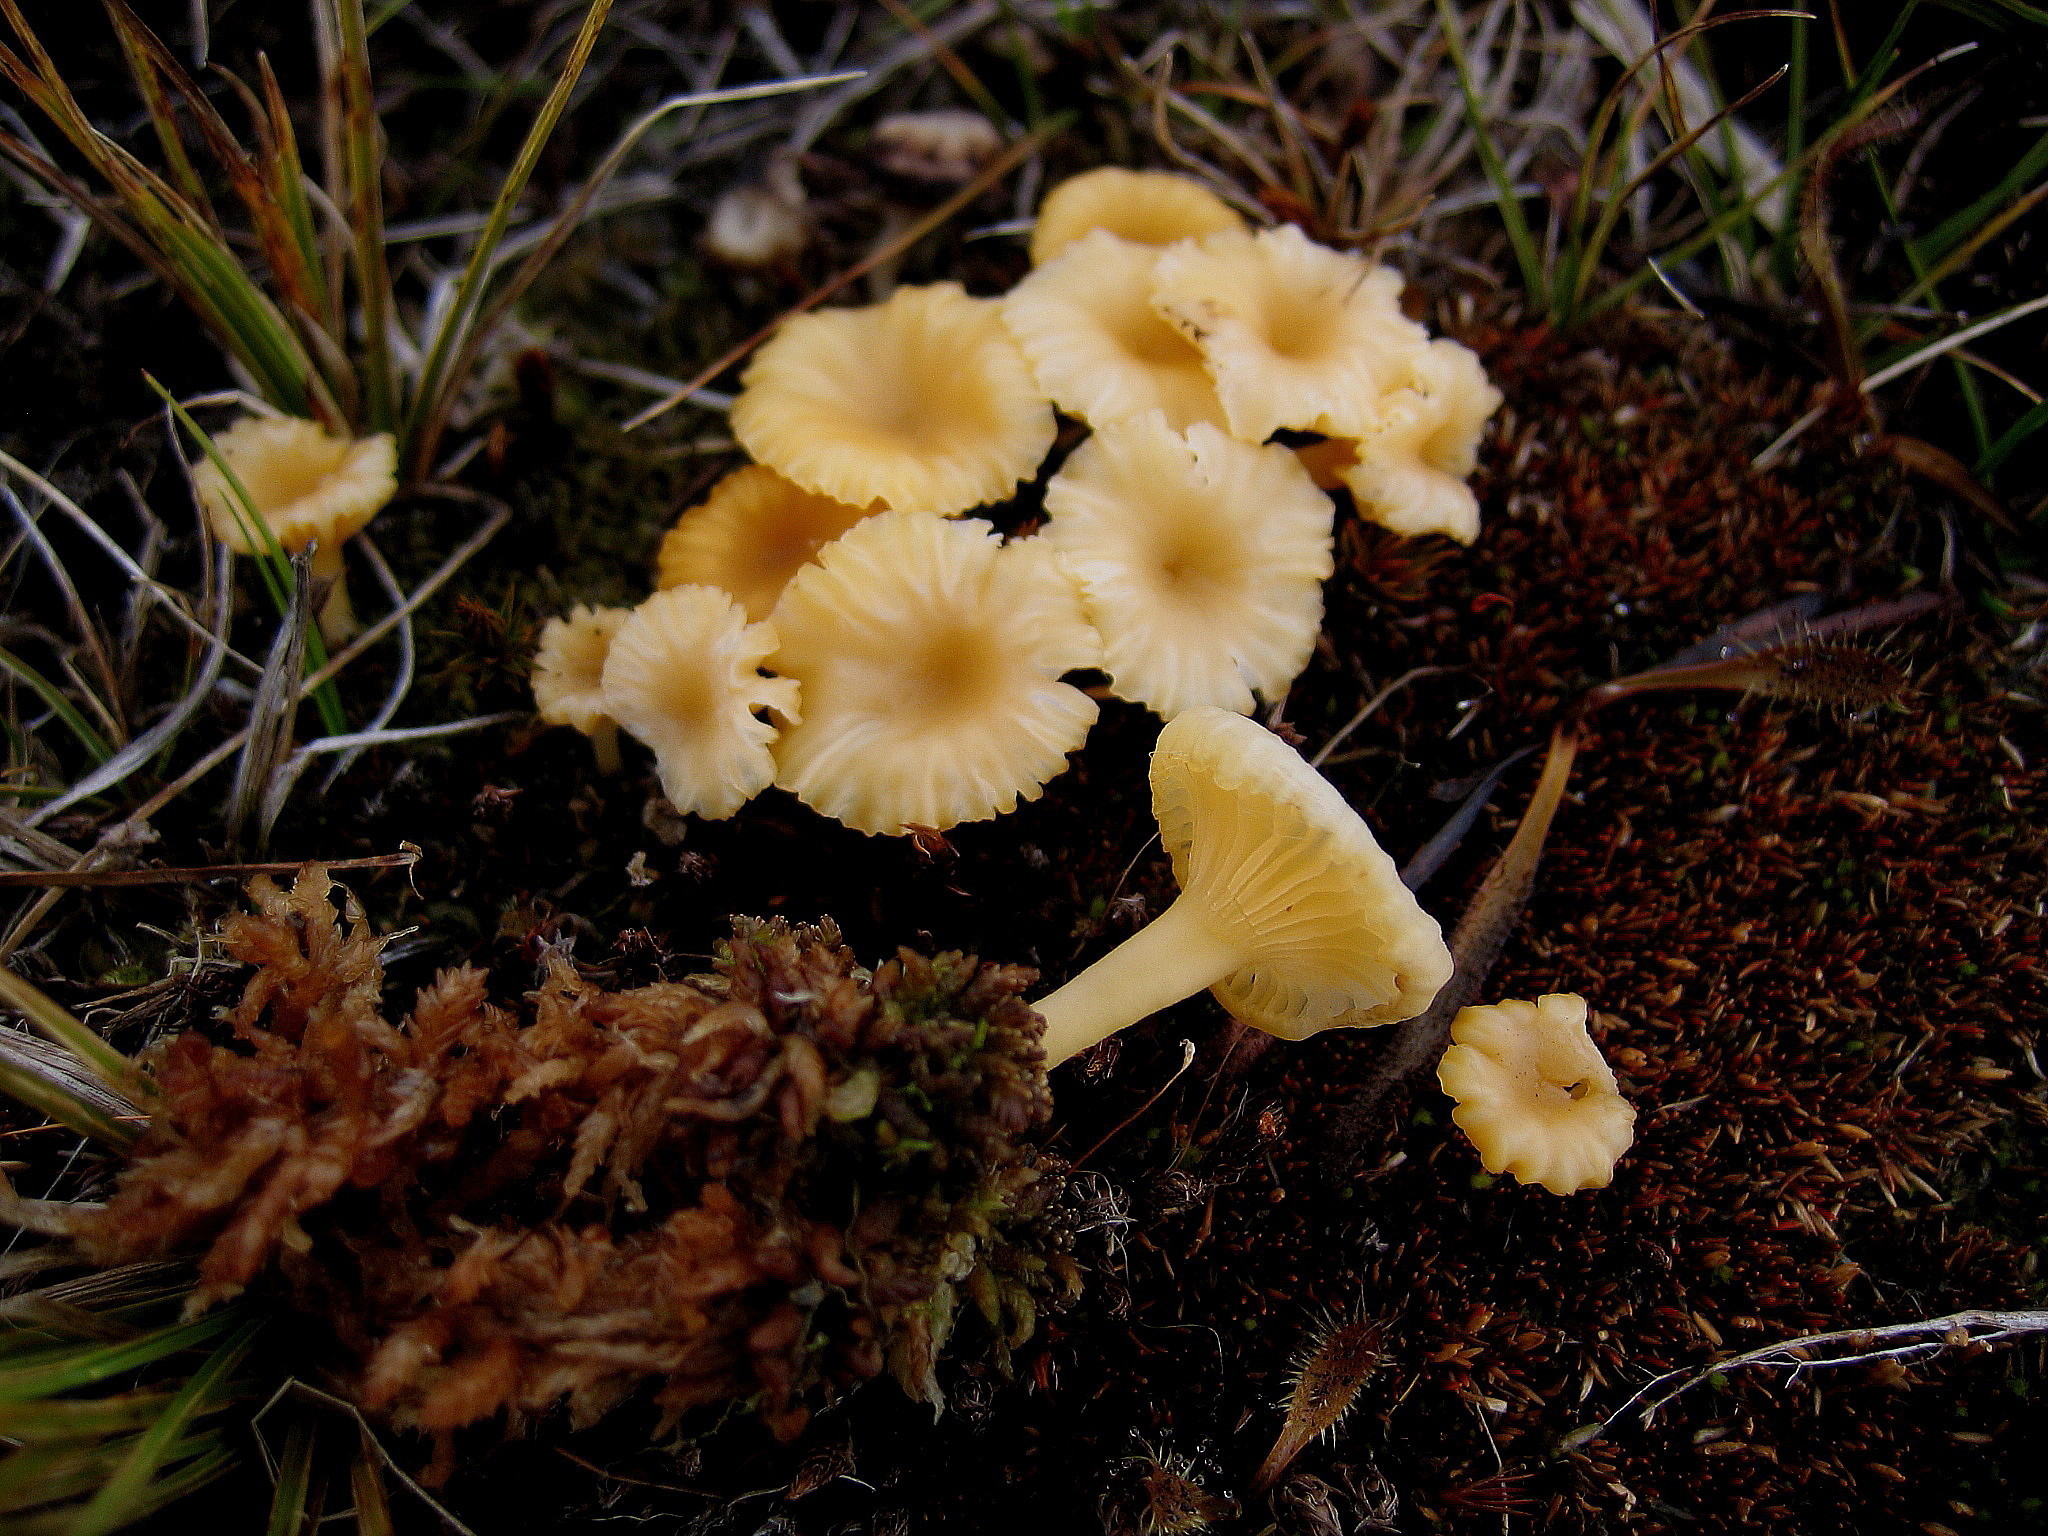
{"x": 1289, "y": 911}
{"x": 1535, "y": 1095}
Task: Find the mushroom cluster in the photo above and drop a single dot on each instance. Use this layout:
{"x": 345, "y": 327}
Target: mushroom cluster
{"x": 831, "y": 620}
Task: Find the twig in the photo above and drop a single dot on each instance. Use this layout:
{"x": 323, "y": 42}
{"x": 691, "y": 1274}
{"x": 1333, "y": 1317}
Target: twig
{"x": 1957, "y": 1328}
{"x": 193, "y": 874}
{"x": 1187, "y": 1059}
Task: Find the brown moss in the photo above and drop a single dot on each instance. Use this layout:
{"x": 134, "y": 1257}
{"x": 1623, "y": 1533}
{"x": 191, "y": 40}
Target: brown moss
{"x": 761, "y": 1185}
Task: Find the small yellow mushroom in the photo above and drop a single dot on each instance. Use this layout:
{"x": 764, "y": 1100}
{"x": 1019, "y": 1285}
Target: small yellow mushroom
{"x": 1409, "y": 473}
{"x": 751, "y": 534}
{"x": 1201, "y": 561}
{"x": 1147, "y": 207}
{"x": 684, "y": 675}
{"x": 923, "y": 402}
{"x": 568, "y": 677}
{"x": 306, "y": 485}
{"x": 1098, "y": 347}
{"x": 1535, "y": 1095}
{"x": 930, "y": 656}
{"x": 1296, "y": 335}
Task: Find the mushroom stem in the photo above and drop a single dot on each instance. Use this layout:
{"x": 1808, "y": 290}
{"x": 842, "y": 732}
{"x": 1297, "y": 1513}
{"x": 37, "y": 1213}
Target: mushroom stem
{"x": 337, "y": 613}
{"x": 604, "y": 746}
{"x": 1171, "y": 958}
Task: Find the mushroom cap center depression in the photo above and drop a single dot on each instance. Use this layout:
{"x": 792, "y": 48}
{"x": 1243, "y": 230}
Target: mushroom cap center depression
{"x": 1144, "y": 337}
{"x": 922, "y": 403}
{"x": 1301, "y": 327}
{"x": 1197, "y": 564}
{"x": 946, "y": 674}
{"x": 276, "y": 480}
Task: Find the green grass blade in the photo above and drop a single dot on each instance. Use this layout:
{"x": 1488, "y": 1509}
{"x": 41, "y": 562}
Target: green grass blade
{"x": 1528, "y": 253}
{"x": 81, "y": 1418}
{"x": 363, "y": 162}
{"x": 157, "y": 103}
{"x": 66, "y": 1370}
{"x": 94, "y": 743}
{"x": 294, "y": 1481}
{"x": 48, "y": 1098}
{"x": 2010, "y": 440}
{"x": 1963, "y": 223}
{"x": 52, "y": 1020}
{"x": 416, "y": 445}
{"x": 123, "y": 1499}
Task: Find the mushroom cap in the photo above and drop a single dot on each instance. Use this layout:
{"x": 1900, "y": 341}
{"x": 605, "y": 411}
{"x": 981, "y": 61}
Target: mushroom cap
{"x": 568, "y": 669}
{"x": 1096, "y": 344}
{"x": 943, "y": 146}
{"x": 930, "y": 658}
{"x": 750, "y": 535}
{"x": 683, "y": 675}
{"x": 1275, "y": 859}
{"x": 1535, "y": 1095}
{"x": 1201, "y": 561}
{"x": 1410, "y": 470}
{"x": 923, "y": 402}
{"x": 1296, "y": 334}
{"x": 1148, "y": 207}
{"x": 306, "y": 483}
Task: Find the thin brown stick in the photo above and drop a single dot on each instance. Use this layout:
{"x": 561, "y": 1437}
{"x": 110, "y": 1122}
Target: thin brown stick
{"x": 192, "y": 875}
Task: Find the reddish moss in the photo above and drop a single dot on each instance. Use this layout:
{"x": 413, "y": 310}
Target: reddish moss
{"x": 760, "y": 1185}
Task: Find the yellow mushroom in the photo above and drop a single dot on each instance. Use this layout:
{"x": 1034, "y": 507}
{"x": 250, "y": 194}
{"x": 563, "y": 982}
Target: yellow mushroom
{"x": 1201, "y": 561}
{"x": 1408, "y": 474}
{"x": 307, "y": 485}
{"x": 923, "y": 402}
{"x": 568, "y": 677}
{"x": 683, "y": 675}
{"x": 1296, "y": 335}
{"x": 1288, "y": 911}
{"x": 1535, "y": 1095}
{"x": 1096, "y": 344}
{"x": 930, "y": 657}
{"x": 1147, "y": 207}
{"x": 750, "y": 535}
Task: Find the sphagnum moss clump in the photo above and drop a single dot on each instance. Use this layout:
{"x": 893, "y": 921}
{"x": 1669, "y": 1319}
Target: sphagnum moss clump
{"x": 760, "y": 1186}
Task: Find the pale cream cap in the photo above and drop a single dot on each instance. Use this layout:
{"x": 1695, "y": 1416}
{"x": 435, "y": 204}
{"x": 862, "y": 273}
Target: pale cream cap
{"x": 1201, "y": 561}
{"x": 1146, "y": 207}
{"x": 923, "y": 402}
{"x": 1535, "y": 1095}
{"x": 1410, "y": 470}
{"x": 750, "y": 535}
{"x": 306, "y": 483}
{"x": 930, "y": 657}
{"x": 1096, "y": 344}
{"x": 1296, "y": 335}
{"x": 683, "y": 675}
{"x": 568, "y": 669}
{"x": 1277, "y": 862}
